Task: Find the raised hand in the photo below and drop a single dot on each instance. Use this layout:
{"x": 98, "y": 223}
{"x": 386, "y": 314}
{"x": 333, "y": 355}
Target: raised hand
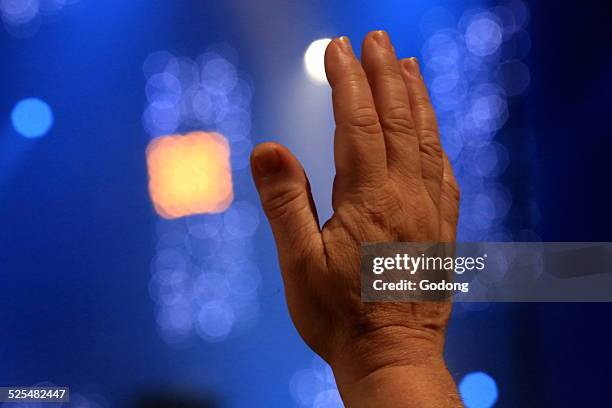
{"x": 393, "y": 183}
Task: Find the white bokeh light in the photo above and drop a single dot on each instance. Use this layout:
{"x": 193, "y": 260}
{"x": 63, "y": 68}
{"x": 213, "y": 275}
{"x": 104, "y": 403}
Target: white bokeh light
{"x": 473, "y": 66}
{"x": 314, "y": 60}
{"x": 23, "y": 18}
{"x": 315, "y": 387}
{"x": 483, "y": 35}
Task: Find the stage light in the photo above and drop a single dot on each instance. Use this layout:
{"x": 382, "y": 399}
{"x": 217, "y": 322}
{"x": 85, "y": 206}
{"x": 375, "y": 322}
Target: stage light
{"x": 315, "y": 386}
{"x": 205, "y": 226}
{"x": 171, "y": 240}
{"x": 490, "y": 160}
{"x": 175, "y": 321}
{"x": 204, "y": 281}
{"x": 236, "y": 124}
{"x": 241, "y": 95}
{"x": 186, "y": 70}
{"x": 478, "y": 390}
{"x": 488, "y": 112}
{"x": 32, "y": 118}
{"x": 219, "y": 76}
{"x": 170, "y": 259}
{"x": 314, "y": 60}
{"x": 201, "y": 104}
{"x": 23, "y": 18}
{"x": 156, "y": 62}
{"x": 161, "y": 120}
{"x": 210, "y": 286}
{"x": 19, "y": 11}
{"x": 189, "y": 174}
{"x": 483, "y": 35}
{"x": 305, "y": 386}
{"x": 443, "y": 50}
{"x": 328, "y": 399}
{"x": 163, "y": 90}
{"x": 243, "y": 279}
{"x": 241, "y": 219}
{"x": 215, "y": 320}
{"x": 168, "y": 289}
{"x": 484, "y": 206}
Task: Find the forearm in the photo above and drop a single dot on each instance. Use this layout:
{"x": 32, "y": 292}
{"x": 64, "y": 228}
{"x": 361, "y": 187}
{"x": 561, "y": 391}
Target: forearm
{"x": 403, "y": 387}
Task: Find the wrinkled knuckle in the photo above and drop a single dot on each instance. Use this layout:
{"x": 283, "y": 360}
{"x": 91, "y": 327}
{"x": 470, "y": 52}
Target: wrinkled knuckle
{"x": 422, "y": 100}
{"x": 454, "y": 191}
{"x": 397, "y": 120}
{"x": 432, "y": 161}
{"x": 364, "y": 120}
{"x": 430, "y": 135}
{"x": 385, "y": 72}
{"x": 284, "y": 203}
{"x": 430, "y": 144}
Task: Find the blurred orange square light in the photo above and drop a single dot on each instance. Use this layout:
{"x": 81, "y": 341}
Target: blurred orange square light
{"x": 189, "y": 174}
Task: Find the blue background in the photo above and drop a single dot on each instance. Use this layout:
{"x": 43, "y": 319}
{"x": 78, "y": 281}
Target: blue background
{"x": 77, "y": 229}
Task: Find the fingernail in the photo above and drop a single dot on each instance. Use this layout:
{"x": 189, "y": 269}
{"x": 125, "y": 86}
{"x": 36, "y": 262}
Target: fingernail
{"x": 345, "y": 44}
{"x": 411, "y": 65}
{"x": 267, "y": 160}
{"x": 382, "y": 39}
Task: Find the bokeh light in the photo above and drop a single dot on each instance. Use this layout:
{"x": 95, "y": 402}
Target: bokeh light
{"x": 241, "y": 220}
{"x": 328, "y": 399}
{"x": 483, "y": 35}
{"x": 473, "y": 68}
{"x": 206, "y": 93}
{"x": 215, "y": 320}
{"x": 163, "y": 89}
{"x": 219, "y": 76}
{"x": 478, "y": 390}
{"x": 204, "y": 280}
{"x": 19, "y": 11}
{"x": 314, "y": 60}
{"x": 22, "y": 18}
{"x": 315, "y": 387}
{"x": 32, "y": 117}
{"x": 189, "y": 174}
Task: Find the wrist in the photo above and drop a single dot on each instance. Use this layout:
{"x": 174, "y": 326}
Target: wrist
{"x": 403, "y": 387}
{"x": 395, "y": 367}
{"x": 386, "y": 347}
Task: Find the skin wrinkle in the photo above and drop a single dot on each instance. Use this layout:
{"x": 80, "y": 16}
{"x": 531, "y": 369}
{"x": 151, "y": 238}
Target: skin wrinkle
{"x": 280, "y": 205}
{"x": 427, "y": 128}
{"x": 364, "y": 121}
{"x": 396, "y": 120}
{"x": 393, "y": 183}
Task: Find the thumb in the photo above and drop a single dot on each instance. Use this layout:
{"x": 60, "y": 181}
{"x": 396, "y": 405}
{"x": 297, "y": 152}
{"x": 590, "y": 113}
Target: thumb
{"x": 286, "y": 199}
